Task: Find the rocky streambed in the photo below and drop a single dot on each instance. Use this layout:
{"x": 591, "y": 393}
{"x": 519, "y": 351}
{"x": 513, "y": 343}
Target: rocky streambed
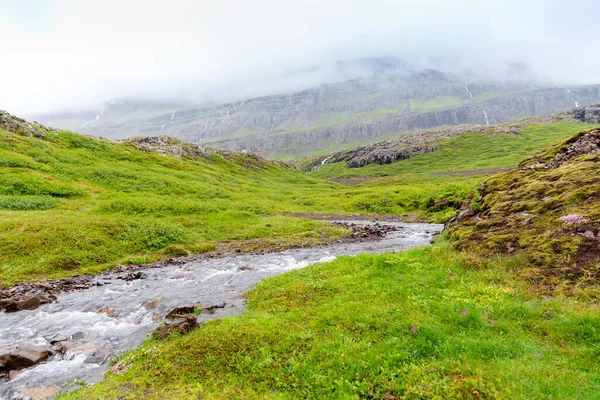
{"x": 67, "y": 335}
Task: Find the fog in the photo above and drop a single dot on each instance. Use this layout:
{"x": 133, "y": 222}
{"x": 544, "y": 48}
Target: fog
{"x": 67, "y": 54}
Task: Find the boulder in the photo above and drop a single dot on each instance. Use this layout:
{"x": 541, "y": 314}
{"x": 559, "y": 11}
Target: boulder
{"x": 22, "y": 356}
{"x": 8, "y": 305}
{"x": 88, "y": 349}
{"x": 180, "y": 311}
{"x": 180, "y": 325}
{"x": 39, "y": 393}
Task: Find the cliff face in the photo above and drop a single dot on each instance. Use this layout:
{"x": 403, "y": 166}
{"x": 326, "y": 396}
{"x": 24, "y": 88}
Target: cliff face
{"x": 394, "y": 99}
{"x": 497, "y": 110}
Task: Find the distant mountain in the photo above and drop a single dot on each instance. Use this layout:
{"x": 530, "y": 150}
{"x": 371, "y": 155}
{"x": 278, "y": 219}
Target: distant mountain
{"x": 385, "y": 98}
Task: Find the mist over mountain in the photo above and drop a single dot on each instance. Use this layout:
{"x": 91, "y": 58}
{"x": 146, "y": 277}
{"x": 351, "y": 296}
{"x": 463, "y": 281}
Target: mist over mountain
{"x": 73, "y": 55}
{"x": 379, "y": 98}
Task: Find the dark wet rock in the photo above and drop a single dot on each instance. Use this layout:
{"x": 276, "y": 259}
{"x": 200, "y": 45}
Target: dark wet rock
{"x": 22, "y": 356}
{"x": 58, "y": 338}
{"x": 32, "y": 303}
{"x": 8, "y": 305}
{"x": 95, "y": 360}
{"x": 132, "y": 276}
{"x": 360, "y": 231}
{"x": 209, "y": 308}
{"x": 187, "y": 309}
{"x": 179, "y": 325}
{"x": 77, "y": 336}
{"x": 181, "y": 311}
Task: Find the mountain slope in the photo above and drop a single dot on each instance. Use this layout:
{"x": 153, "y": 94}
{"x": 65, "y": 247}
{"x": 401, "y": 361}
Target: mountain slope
{"x": 392, "y": 98}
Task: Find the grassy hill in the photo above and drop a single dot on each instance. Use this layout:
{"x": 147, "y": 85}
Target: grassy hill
{"x": 546, "y": 212}
{"x": 73, "y": 204}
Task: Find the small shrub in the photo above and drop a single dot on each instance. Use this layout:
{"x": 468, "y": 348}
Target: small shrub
{"x": 151, "y": 235}
{"x": 201, "y": 248}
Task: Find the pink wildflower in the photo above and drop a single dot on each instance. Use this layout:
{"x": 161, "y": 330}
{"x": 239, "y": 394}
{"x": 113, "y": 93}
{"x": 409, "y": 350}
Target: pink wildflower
{"x": 574, "y": 219}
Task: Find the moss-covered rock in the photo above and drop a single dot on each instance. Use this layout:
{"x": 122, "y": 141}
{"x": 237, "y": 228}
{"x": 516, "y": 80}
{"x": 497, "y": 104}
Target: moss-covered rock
{"x": 520, "y": 212}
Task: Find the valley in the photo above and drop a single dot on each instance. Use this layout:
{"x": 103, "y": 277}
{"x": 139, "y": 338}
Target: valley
{"x": 492, "y": 309}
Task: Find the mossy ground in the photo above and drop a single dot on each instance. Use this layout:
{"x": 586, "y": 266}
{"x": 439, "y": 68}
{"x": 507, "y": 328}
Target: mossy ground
{"x": 522, "y": 208}
{"x": 424, "y": 324}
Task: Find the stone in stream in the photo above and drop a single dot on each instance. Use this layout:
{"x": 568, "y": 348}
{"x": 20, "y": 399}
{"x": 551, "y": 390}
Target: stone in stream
{"x": 152, "y": 304}
{"x": 180, "y": 325}
{"x": 39, "y": 393}
{"x": 184, "y": 310}
{"x": 30, "y": 303}
{"x": 22, "y": 356}
{"x": 8, "y": 305}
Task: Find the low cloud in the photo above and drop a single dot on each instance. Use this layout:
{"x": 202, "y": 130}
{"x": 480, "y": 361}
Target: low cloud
{"x": 77, "y": 54}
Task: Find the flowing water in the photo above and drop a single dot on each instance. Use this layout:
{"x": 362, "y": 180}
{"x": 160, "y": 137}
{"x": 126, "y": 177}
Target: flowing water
{"x": 99, "y": 336}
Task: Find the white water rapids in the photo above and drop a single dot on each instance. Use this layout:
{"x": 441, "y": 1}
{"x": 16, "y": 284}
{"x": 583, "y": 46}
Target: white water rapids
{"x": 75, "y": 315}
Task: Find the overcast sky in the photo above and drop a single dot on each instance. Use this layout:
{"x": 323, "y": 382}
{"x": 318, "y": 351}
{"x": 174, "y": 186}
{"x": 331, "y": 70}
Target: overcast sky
{"x": 57, "y": 54}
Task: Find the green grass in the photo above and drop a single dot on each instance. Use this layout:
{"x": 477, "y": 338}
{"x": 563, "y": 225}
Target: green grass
{"x": 72, "y": 204}
{"x": 342, "y": 330}
{"x": 467, "y": 152}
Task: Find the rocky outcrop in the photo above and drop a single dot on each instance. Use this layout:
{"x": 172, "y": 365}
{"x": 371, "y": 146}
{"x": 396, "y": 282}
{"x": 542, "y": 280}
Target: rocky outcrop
{"x": 589, "y": 114}
{"x": 170, "y": 146}
{"x": 22, "y": 356}
{"x": 547, "y": 212}
{"x": 17, "y": 125}
{"x": 409, "y": 145}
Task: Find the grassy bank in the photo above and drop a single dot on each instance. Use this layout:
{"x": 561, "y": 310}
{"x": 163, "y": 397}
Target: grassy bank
{"x": 429, "y": 323}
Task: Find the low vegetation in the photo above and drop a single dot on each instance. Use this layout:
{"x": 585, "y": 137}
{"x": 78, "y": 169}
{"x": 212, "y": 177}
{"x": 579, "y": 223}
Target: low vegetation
{"x": 74, "y": 204}
{"x": 423, "y": 324}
